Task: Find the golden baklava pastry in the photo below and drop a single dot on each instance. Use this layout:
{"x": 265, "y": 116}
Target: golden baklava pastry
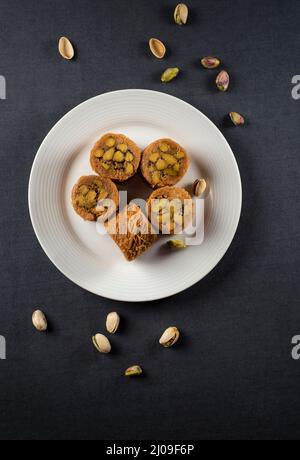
{"x": 115, "y": 156}
{"x": 164, "y": 162}
{"x": 170, "y": 209}
{"x": 131, "y": 231}
{"x": 94, "y": 197}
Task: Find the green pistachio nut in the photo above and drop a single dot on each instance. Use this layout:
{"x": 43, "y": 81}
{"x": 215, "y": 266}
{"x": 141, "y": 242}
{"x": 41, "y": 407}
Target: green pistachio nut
{"x": 210, "y": 62}
{"x": 237, "y": 119}
{"x": 170, "y": 74}
{"x": 222, "y": 81}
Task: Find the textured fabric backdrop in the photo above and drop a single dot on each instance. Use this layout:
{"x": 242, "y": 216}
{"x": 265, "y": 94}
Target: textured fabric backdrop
{"x": 232, "y": 375}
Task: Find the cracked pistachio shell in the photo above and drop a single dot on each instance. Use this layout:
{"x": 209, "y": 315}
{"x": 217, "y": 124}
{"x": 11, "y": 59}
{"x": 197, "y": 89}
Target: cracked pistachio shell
{"x": 181, "y": 14}
{"x": 169, "y": 74}
{"x": 112, "y": 322}
{"x": 101, "y": 343}
{"x": 157, "y": 48}
{"x": 210, "y": 62}
{"x": 237, "y": 119}
{"x": 65, "y": 48}
{"x": 39, "y": 321}
{"x": 133, "y": 371}
{"x": 169, "y": 337}
{"x": 222, "y": 81}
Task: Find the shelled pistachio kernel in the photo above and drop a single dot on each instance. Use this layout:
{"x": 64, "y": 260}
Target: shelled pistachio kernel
{"x": 105, "y": 165}
{"x": 133, "y": 371}
{"x": 156, "y": 177}
{"x": 83, "y": 189}
{"x": 179, "y": 155}
{"x": 210, "y": 62}
{"x": 122, "y": 147}
{"x": 199, "y": 187}
{"x": 154, "y": 157}
{"x": 99, "y": 153}
{"x": 118, "y": 156}
{"x": 101, "y": 343}
{"x": 169, "y": 74}
{"x": 129, "y": 157}
{"x": 129, "y": 169}
{"x": 112, "y": 322}
{"x": 169, "y": 159}
{"x": 108, "y": 155}
{"x": 176, "y": 244}
{"x": 160, "y": 164}
{"x": 170, "y": 172}
{"x": 164, "y": 147}
{"x": 222, "y": 81}
{"x": 110, "y": 142}
{"x": 39, "y": 321}
{"x": 169, "y": 337}
{"x": 237, "y": 119}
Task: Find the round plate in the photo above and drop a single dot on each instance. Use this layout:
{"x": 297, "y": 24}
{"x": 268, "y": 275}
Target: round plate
{"x": 94, "y": 262}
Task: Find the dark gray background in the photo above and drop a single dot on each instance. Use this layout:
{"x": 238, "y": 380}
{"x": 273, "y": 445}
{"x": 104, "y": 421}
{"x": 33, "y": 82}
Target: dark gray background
{"x": 232, "y": 375}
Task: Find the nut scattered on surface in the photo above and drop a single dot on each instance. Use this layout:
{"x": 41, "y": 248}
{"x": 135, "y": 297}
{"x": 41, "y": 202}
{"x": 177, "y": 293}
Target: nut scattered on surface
{"x": 181, "y": 14}
{"x": 133, "y": 371}
{"x": 65, "y": 48}
{"x": 101, "y": 343}
{"x": 169, "y": 74}
{"x": 199, "y": 187}
{"x": 210, "y": 62}
{"x": 157, "y": 48}
{"x": 176, "y": 244}
{"x": 237, "y": 119}
{"x": 169, "y": 337}
{"x": 112, "y": 322}
{"x": 39, "y": 321}
{"x": 222, "y": 81}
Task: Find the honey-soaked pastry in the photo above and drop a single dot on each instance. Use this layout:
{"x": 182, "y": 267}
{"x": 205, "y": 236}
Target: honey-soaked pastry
{"x": 164, "y": 162}
{"x": 170, "y": 209}
{"x": 115, "y": 156}
{"x": 131, "y": 231}
{"x": 95, "y": 197}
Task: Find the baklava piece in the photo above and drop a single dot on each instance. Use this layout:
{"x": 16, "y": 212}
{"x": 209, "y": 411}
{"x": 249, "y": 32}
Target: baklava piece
{"x": 164, "y": 162}
{"x": 170, "y": 209}
{"x": 115, "y": 156}
{"x": 95, "y": 197}
{"x": 131, "y": 231}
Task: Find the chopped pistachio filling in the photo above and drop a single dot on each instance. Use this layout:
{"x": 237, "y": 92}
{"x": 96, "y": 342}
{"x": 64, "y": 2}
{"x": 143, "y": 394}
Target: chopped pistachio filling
{"x": 89, "y": 195}
{"x": 115, "y": 156}
{"x": 168, "y": 214}
{"x": 165, "y": 162}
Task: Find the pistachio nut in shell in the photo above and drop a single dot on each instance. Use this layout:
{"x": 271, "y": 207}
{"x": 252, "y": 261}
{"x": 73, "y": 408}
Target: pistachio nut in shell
{"x": 39, "y": 321}
{"x": 181, "y": 14}
{"x": 210, "y": 62}
{"x": 199, "y": 187}
{"x": 169, "y": 337}
{"x": 237, "y": 119}
{"x": 169, "y": 74}
{"x": 112, "y": 322}
{"x": 222, "y": 81}
{"x": 133, "y": 371}
{"x": 101, "y": 343}
{"x": 157, "y": 48}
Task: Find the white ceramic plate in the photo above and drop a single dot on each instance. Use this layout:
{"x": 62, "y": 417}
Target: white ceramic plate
{"x": 94, "y": 262}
